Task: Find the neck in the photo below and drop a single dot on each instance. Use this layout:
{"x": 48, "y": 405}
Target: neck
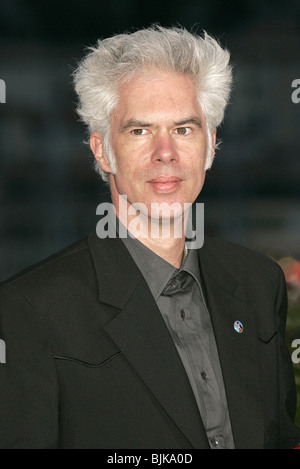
{"x": 164, "y": 236}
{"x": 171, "y": 250}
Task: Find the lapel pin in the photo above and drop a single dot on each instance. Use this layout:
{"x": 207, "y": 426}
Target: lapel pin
{"x": 238, "y": 326}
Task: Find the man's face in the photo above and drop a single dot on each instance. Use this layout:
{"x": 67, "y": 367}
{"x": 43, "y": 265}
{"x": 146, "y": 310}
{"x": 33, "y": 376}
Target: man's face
{"x": 159, "y": 140}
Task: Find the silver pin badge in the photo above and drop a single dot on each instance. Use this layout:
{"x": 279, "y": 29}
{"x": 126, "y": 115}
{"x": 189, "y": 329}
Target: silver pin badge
{"x": 238, "y": 326}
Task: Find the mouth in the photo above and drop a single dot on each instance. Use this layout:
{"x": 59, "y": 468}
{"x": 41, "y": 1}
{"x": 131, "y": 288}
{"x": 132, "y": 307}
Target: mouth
{"x": 165, "y": 184}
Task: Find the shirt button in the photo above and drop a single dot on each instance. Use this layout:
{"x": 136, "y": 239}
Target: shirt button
{"x": 204, "y": 376}
{"x": 214, "y": 442}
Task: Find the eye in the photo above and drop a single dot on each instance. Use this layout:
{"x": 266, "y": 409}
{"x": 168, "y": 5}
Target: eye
{"x": 139, "y": 132}
{"x": 183, "y": 130}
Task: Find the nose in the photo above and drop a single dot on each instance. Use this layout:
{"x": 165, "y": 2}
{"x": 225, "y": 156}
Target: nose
{"x": 164, "y": 149}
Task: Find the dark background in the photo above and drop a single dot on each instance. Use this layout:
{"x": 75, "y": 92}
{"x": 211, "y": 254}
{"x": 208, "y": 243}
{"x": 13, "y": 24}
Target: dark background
{"x": 48, "y": 190}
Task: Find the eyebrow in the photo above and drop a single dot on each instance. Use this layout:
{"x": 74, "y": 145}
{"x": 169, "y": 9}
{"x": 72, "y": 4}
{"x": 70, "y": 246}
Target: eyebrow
{"x": 133, "y": 123}
{"x": 189, "y": 120}
{"x": 140, "y": 124}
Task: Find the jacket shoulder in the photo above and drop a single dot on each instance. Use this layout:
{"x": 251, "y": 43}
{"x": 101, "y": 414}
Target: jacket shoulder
{"x": 63, "y": 264}
{"x": 239, "y": 256}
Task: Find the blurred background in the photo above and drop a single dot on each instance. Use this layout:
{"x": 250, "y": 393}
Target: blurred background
{"x": 48, "y": 189}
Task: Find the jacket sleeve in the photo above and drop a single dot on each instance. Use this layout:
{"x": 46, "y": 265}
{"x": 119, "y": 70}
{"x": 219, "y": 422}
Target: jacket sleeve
{"x": 289, "y": 433}
{"x": 28, "y": 379}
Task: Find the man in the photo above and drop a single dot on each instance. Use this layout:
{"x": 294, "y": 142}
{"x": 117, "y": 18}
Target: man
{"x": 135, "y": 341}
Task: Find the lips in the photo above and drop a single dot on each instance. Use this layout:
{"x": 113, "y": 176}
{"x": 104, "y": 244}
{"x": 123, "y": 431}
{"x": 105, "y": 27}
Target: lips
{"x": 165, "y": 184}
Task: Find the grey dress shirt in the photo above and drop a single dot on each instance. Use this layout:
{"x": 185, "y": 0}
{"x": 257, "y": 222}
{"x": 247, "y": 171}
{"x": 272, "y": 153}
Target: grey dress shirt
{"x": 178, "y": 295}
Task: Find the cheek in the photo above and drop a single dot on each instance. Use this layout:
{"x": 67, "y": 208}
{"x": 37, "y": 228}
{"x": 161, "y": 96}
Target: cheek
{"x": 128, "y": 158}
{"x": 127, "y": 178}
{"x": 197, "y": 177}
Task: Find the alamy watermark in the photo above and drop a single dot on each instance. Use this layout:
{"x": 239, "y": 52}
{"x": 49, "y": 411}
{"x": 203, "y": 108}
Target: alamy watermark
{"x": 2, "y": 91}
{"x": 2, "y": 351}
{"x": 296, "y": 93}
{"x": 296, "y": 353}
{"x": 160, "y": 220}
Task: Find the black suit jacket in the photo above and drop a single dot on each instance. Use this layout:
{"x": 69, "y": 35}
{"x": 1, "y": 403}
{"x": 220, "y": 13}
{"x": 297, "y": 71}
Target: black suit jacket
{"x": 90, "y": 362}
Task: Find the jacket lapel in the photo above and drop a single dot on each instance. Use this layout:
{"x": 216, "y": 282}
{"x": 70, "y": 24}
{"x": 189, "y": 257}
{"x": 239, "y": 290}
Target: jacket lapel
{"x": 228, "y": 303}
{"x": 142, "y": 336}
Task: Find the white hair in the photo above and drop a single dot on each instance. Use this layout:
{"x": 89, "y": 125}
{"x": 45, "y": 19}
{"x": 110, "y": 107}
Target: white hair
{"x": 119, "y": 58}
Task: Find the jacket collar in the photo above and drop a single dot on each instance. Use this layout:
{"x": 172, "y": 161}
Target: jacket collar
{"x": 110, "y": 257}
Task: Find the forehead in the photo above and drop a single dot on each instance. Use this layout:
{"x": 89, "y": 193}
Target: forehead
{"x": 159, "y": 95}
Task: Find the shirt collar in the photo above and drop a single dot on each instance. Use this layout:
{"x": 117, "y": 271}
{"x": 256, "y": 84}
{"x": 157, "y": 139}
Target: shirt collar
{"x": 156, "y": 271}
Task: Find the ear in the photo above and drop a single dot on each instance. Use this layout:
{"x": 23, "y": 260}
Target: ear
{"x": 213, "y": 141}
{"x": 210, "y": 156}
{"x": 97, "y": 147}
